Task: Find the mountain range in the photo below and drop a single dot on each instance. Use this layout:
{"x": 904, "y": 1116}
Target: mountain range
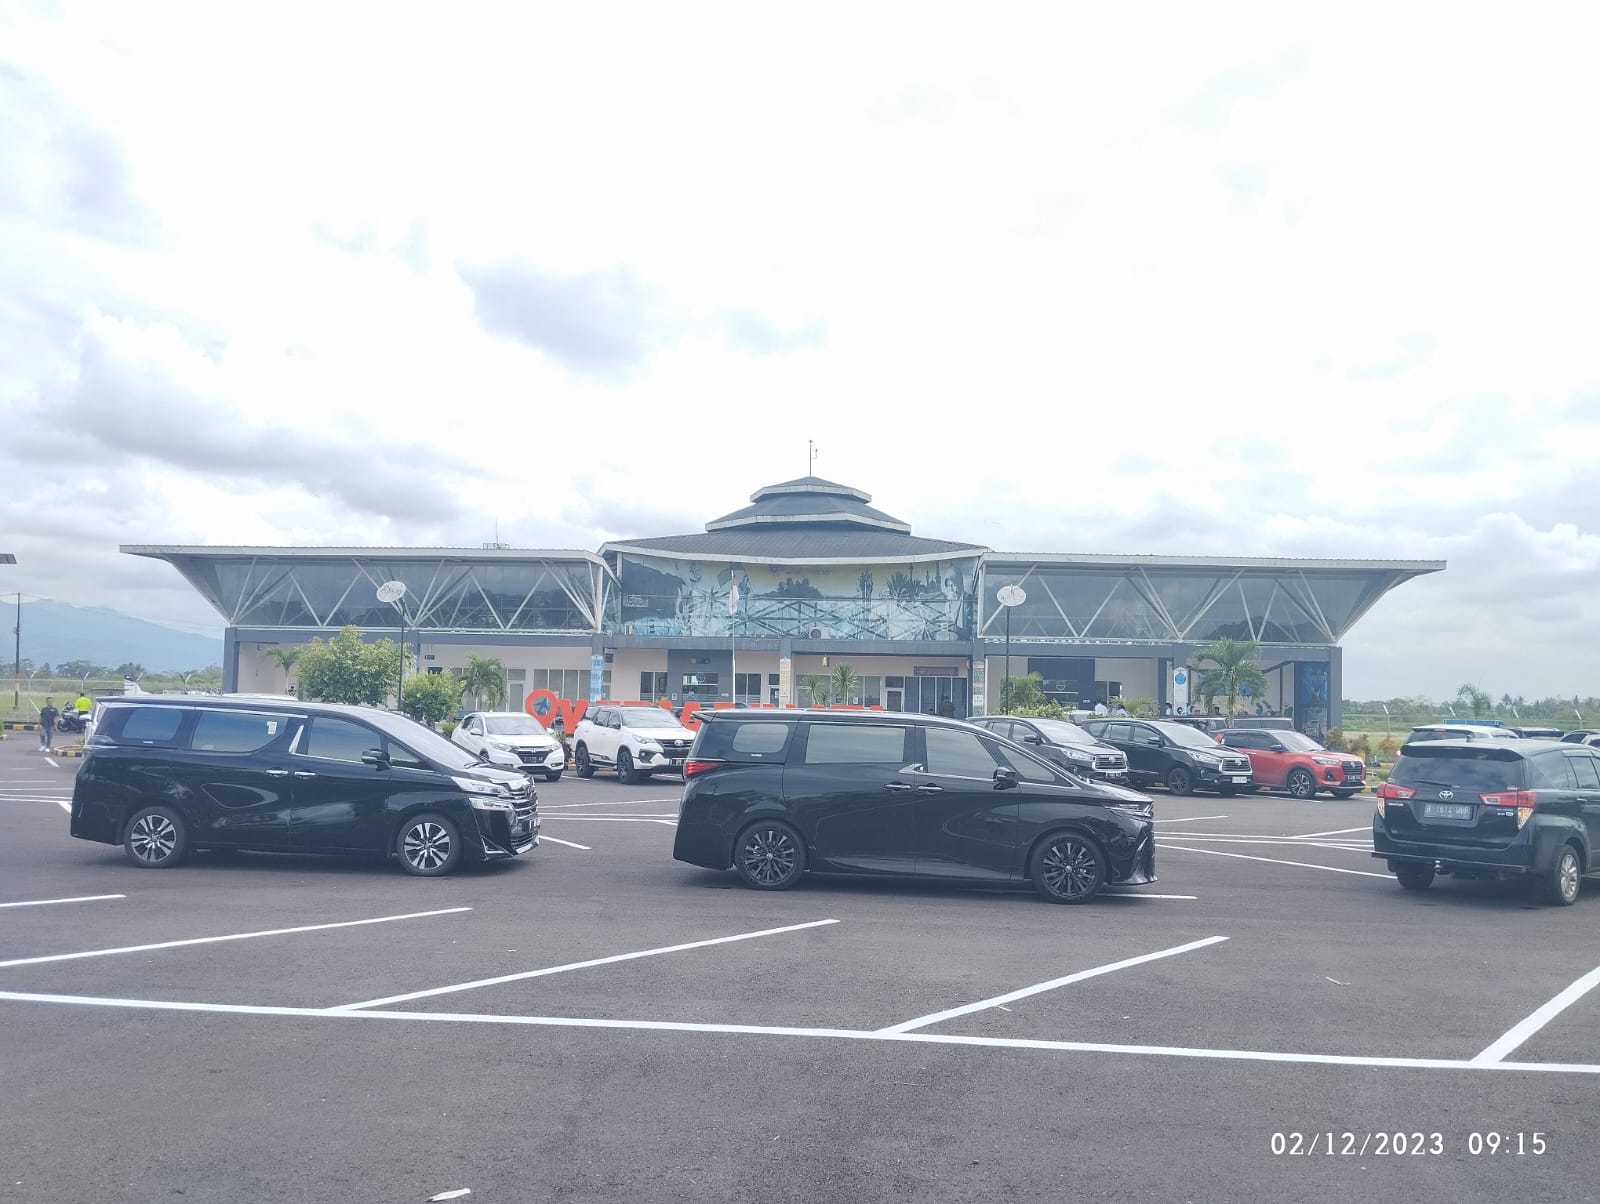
{"x": 53, "y": 632}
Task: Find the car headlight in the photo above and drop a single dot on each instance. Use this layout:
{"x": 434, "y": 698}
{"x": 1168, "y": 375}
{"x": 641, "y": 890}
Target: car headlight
{"x": 485, "y": 796}
{"x": 499, "y": 744}
{"x": 1326, "y": 760}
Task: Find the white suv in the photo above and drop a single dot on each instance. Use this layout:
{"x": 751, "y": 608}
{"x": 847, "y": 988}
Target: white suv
{"x": 512, "y": 740}
{"x": 637, "y": 741}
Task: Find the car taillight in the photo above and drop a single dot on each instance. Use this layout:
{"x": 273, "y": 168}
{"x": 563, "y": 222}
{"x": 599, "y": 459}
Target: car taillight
{"x": 690, "y": 768}
{"x": 1523, "y": 800}
{"x": 1389, "y": 791}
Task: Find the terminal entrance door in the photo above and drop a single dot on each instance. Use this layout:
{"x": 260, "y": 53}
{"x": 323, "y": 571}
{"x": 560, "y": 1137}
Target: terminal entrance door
{"x": 924, "y": 694}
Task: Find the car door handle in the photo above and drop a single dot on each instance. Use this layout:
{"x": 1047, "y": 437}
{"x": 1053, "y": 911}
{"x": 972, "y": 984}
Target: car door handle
{"x": 277, "y": 773}
{"x": 930, "y": 788}
{"x": 897, "y": 787}
{"x": 304, "y": 773}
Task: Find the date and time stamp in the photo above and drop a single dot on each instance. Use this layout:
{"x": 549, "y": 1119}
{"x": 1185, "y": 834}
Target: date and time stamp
{"x": 1379, "y": 1143}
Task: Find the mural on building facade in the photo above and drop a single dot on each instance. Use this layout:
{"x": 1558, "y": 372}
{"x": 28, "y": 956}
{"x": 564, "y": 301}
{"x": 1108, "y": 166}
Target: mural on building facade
{"x": 935, "y": 600}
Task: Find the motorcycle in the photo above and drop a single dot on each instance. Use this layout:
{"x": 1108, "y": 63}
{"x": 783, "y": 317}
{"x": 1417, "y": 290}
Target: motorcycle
{"x": 70, "y": 721}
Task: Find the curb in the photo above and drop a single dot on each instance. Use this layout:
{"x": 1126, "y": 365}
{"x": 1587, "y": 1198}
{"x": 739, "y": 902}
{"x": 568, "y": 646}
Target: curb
{"x": 12, "y": 725}
{"x": 67, "y": 752}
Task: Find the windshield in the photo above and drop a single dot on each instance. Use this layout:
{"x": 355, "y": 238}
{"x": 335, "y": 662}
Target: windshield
{"x": 1188, "y": 737}
{"x": 1487, "y": 768}
{"x": 1064, "y": 733}
{"x": 1299, "y": 742}
{"x": 430, "y": 745}
{"x": 512, "y": 725}
{"x": 654, "y": 718}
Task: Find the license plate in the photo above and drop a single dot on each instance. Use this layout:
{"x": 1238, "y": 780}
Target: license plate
{"x": 1240, "y": 781}
{"x": 1446, "y": 810}
{"x": 676, "y": 762}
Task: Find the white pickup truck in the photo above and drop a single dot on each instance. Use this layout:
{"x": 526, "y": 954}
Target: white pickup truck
{"x": 636, "y": 741}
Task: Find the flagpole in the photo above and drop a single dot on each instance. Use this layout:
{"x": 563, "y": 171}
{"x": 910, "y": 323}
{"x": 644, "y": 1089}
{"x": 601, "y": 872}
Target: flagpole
{"x": 733, "y": 648}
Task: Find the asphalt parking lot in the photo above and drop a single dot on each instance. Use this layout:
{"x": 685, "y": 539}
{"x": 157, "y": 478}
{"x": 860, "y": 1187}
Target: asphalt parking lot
{"x": 598, "y": 1022}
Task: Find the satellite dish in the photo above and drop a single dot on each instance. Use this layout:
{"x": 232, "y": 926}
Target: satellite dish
{"x": 1011, "y": 595}
{"x": 391, "y": 591}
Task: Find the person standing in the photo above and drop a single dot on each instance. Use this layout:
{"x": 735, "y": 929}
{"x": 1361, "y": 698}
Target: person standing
{"x": 83, "y": 706}
{"x": 47, "y": 724}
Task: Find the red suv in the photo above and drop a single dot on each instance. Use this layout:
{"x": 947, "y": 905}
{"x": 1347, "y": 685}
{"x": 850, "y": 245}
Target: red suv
{"x": 1295, "y": 762}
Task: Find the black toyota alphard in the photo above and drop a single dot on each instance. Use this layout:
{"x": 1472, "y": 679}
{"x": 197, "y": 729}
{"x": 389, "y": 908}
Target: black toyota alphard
{"x": 776, "y": 794}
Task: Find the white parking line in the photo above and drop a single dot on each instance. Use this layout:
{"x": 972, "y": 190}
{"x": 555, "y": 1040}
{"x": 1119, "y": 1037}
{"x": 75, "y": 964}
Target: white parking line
{"x": 1193, "y": 819}
{"x": 1169, "y": 1051}
{"x": 598, "y": 961}
{"x": 1206, "y": 838}
{"x": 569, "y": 843}
{"x": 1112, "y": 894}
{"x": 1335, "y": 832}
{"x": 1521, "y": 1031}
{"x": 617, "y": 819}
{"x": 54, "y": 762}
{"x": 1305, "y": 865}
{"x": 74, "y": 899}
{"x": 237, "y": 936}
{"x": 984, "y": 1004}
{"x": 619, "y": 802}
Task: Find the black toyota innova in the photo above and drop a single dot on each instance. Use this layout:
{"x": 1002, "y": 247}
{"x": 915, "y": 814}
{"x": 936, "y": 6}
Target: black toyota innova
{"x": 778, "y": 793}
{"x": 164, "y": 776}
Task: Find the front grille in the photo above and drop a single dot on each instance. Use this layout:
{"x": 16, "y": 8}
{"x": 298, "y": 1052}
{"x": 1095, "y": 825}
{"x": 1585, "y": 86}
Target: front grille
{"x": 675, "y": 748}
{"x": 1236, "y": 765}
{"x": 1110, "y": 761}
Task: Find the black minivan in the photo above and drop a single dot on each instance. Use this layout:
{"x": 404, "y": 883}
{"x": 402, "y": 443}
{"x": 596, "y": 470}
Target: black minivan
{"x": 166, "y": 775}
{"x": 1492, "y": 809}
{"x": 778, "y": 793}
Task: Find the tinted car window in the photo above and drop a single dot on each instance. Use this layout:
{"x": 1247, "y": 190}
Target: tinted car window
{"x": 1486, "y": 769}
{"x": 338, "y": 739}
{"x": 235, "y": 731}
{"x": 957, "y": 753}
{"x": 1550, "y": 773}
{"x": 1126, "y": 732}
{"x": 765, "y": 741}
{"x": 841, "y": 744}
{"x": 1061, "y": 732}
{"x": 1030, "y": 770}
{"x": 151, "y": 725}
{"x": 1243, "y": 740}
{"x": 1587, "y": 772}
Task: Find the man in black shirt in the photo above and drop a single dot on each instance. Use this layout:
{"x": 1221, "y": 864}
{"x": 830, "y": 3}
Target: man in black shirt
{"x": 47, "y": 723}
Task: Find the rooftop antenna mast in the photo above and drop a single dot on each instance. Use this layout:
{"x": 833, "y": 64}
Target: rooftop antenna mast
{"x": 811, "y": 456}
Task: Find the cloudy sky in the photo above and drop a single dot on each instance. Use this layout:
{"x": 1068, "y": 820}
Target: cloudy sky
{"x": 1220, "y": 279}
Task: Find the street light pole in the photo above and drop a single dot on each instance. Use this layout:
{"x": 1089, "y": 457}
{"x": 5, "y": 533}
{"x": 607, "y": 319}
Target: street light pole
{"x": 392, "y": 592}
{"x": 1008, "y": 596}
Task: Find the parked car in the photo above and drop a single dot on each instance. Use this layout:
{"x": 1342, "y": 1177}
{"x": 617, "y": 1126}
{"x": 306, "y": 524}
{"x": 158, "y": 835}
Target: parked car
{"x": 1067, "y": 744}
{"x": 164, "y": 777}
{"x": 1538, "y": 733}
{"x": 512, "y": 740}
{"x": 1180, "y": 757}
{"x": 1459, "y": 731}
{"x": 1295, "y": 762}
{"x": 1492, "y": 809}
{"x": 637, "y": 741}
{"x": 1581, "y": 735}
{"x": 778, "y": 794}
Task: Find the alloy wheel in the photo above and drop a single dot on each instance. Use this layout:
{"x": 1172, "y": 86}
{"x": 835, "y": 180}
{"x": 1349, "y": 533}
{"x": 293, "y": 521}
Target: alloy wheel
{"x": 426, "y": 846}
{"x": 153, "y": 838}
{"x": 1070, "y": 868}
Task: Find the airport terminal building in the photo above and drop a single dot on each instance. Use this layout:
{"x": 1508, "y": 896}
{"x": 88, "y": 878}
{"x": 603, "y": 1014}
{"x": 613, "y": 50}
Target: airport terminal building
{"x": 805, "y": 578}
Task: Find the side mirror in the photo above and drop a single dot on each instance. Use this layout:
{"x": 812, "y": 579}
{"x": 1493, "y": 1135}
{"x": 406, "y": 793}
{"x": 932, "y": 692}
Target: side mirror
{"x": 1004, "y": 777}
{"x": 377, "y": 757}
{"x": 1152, "y": 738}
{"x": 1031, "y": 738}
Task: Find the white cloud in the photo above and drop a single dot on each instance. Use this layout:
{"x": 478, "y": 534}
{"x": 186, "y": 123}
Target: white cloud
{"x": 1239, "y": 279}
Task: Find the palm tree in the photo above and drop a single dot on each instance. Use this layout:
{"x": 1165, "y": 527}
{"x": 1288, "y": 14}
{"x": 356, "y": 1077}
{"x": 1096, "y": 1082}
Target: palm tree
{"x": 1470, "y": 695}
{"x": 485, "y": 680}
{"x": 845, "y": 685}
{"x": 285, "y": 657}
{"x": 1233, "y": 667}
{"x": 817, "y": 688}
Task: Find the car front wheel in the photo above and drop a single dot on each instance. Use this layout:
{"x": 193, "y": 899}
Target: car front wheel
{"x": 581, "y": 760}
{"x": 625, "y": 773}
{"x": 156, "y": 839}
{"x": 428, "y": 845}
{"x": 1180, "y": 780}
{"x": 1068, "y": 868}
{"x": 1560, "y": 883}
{"x": 770, "y": 856}
{"x": 1301, "y": 784}
{"x": 553, "y": 775}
